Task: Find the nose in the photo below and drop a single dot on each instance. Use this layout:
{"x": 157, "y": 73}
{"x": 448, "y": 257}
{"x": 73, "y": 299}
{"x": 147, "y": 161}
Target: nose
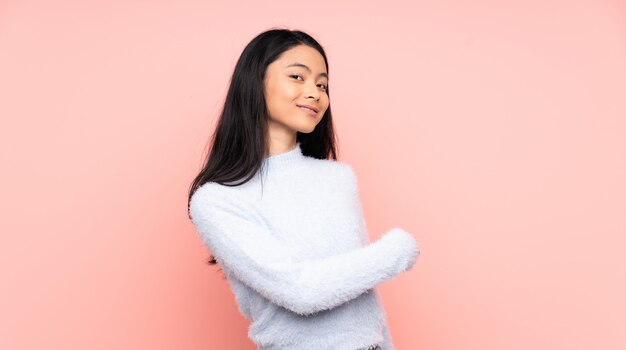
{"x": 312, "y": 92}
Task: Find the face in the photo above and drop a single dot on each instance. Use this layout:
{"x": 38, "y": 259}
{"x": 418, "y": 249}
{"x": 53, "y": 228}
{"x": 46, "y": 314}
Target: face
{"x": 296, "y": 79}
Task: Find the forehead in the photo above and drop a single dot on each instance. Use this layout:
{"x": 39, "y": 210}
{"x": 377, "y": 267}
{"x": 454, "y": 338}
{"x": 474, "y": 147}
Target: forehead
{"x": 305, "y": 55}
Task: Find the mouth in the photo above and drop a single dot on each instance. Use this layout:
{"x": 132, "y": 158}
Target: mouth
{"x": 309, "y": 109}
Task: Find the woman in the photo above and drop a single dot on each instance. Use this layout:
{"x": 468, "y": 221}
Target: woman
{"x": 283, "y": 220}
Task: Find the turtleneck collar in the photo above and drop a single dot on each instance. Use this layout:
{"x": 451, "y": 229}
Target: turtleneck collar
{"x": 285, "y": 159}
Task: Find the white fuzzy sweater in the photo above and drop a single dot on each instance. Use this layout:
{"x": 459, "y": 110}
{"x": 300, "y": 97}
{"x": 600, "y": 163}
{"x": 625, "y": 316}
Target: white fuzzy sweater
{"x": 297, "y": 257}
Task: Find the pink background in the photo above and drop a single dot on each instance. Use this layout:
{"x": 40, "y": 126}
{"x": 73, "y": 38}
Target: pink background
{"x": 494, "y": 131}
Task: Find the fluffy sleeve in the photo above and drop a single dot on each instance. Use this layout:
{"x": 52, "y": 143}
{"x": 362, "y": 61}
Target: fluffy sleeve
{"x": 244, "y": 246}
{"x": 358, "y": 207}
{"x": 356, "y": 199}
{"x": 387, "y": 340}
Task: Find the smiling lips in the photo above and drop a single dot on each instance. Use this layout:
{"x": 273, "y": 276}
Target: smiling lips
{"x": 309, "y": 109}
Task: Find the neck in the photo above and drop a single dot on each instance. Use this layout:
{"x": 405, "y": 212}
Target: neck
{"x": 285, "y": 159}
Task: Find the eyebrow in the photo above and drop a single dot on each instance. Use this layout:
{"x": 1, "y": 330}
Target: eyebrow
{"x": 296, "y": 64}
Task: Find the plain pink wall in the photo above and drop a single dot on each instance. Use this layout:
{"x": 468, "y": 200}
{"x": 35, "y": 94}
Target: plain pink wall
{"x": 493, "y": 131}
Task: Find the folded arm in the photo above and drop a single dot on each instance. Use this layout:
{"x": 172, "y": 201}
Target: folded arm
{"x": 244, "y": 246}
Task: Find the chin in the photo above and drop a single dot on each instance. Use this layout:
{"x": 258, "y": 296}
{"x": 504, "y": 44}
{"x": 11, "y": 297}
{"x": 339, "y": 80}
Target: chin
{"x": 306, "y": 128}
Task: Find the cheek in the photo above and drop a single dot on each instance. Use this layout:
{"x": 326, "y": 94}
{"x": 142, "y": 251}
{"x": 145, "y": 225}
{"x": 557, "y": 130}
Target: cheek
{"x": 289, "y": 92}
{"x": 280, "y": 100}
{"x": 284, "y": 98}
{"x": 326, "y": 101}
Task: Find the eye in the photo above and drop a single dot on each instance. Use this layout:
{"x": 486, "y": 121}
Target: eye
{"x": 296, "y": 76}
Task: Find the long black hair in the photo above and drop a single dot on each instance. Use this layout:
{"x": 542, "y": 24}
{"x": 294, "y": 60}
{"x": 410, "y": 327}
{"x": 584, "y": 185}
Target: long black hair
{"x": 240, "y": 140}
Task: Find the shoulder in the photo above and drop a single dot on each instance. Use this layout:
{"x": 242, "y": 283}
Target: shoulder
{"x": 206, "y": 191}
{"x": 349, "y": 176}
{"x": 346, "y": 170}
{"x": 336, "y": 172}
{"x": 336, "y": 168}
{"x": 333, "y": 166}
{"x": 215, "y": 204}
{"x": 215, "y": 195}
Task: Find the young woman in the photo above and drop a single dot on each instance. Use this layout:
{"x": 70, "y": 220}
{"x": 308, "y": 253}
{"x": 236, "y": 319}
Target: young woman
{"x": 283, "y": 217}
